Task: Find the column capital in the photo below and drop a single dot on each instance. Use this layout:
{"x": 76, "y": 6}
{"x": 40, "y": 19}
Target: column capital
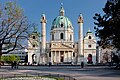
{"x": 80, "y": 19}
{"x": 43, "y": 19}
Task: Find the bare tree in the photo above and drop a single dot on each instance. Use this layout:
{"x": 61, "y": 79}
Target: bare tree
{"x": 13, "y": 27}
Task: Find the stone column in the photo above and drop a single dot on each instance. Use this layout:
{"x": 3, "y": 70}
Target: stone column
{"x": 55, "y": 57}
{"x": 59, "y": 57}
{"x": 52, "y": 57}
{"x": 72, "y": 57}
{"x": 64, "y": 56}
{"x": 30, "y": 57}
{"x": 67, "y": 56}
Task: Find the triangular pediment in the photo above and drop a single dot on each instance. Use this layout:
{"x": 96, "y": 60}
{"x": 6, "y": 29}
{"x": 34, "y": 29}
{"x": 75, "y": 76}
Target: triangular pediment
{"x": 61, "y": 46}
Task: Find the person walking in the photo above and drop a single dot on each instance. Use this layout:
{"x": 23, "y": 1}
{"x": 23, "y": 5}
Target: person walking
{"x": 82, "y": 64}
{"x": 12, "y": 65}
{"x": 15, "y": 64}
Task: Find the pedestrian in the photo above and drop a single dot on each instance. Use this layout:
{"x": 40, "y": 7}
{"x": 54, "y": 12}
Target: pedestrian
{"x": 50, "y": 64}
{"x": 15, "y": 64}
{"x": 12, "y": 65}
{"x": 82, "y": 64}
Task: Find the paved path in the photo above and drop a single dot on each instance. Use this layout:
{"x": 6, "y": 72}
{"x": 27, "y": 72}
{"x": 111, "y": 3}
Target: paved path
{"x": 87, "y": 73}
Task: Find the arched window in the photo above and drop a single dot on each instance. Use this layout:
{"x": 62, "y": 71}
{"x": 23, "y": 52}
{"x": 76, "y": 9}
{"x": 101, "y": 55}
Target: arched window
{"x": 89, "y": 37}
{"x": 33, "y": 45}
{"x": 89, "y": 46}
{"x": 89, "y": 59}
{"x": 33, "y": 37}
{"x": 61, "y": 35}
{"x": 61, "y": 25}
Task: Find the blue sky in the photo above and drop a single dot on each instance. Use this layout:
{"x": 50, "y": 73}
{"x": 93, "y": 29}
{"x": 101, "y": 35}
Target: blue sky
{"x": 34, "y": 8}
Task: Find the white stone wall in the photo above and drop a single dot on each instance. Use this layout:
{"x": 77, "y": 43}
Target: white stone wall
{"x": 67, "y": 32}
{"x": 89, "y": 47}
{"x": 33, "y": 50}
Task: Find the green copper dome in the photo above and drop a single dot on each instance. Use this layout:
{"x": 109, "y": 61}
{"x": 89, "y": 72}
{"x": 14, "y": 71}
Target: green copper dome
{"x": 61, "y": 21}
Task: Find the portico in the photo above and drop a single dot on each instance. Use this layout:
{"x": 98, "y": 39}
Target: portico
{"x": 61, "y": 56}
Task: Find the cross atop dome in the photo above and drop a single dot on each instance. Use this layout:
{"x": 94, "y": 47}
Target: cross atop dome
{"x": 61, "y": 4}
{"x": 62, "y": 11}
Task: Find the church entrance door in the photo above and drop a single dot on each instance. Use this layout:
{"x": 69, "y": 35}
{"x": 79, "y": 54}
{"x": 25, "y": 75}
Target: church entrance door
{"x": 33, "y": 59}
{"x": 90, "y": 59}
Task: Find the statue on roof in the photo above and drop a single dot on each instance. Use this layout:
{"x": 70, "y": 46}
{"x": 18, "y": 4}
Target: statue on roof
{"x": 35, "y": 29}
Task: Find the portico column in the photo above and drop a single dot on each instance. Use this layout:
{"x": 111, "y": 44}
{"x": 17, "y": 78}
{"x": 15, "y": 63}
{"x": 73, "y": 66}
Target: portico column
{"x": 67, "y": 56}
{"x": 64, "y": 56}
{"x": 72, "y": 57}
{"x": 52, "y": 57}
{"x": 55, "y": 57}
{"x": 59, "y": 57}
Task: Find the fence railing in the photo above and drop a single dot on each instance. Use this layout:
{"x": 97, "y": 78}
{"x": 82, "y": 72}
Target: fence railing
{"x": 64, "y": 77}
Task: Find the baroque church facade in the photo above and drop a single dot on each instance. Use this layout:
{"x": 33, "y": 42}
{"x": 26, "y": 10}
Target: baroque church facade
{"x": 61, "y": 49}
